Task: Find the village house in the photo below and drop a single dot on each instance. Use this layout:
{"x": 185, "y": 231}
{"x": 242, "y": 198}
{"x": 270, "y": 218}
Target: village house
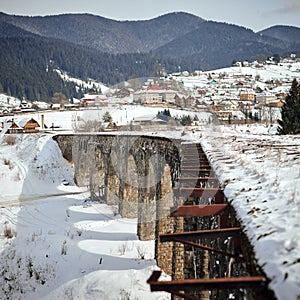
{"x": 276, "y": 103}
{"x": 154, "y": 95}
{"x": 25, "y": 125}
{"x": 247, "y": 95}
{"x": 29, "y": 125}
{"x": 56, "y": 106}
{"x": 265, "y": 97}
{"x": 11, "y": 126}
{"x": 189, "y": 101}
{"x": 224, "y": 115}
{"x": 226, "y": 105}
{"x": 94, "y": 100}
{"x": 179, "y": 100}
{"x": 202, "y": 92}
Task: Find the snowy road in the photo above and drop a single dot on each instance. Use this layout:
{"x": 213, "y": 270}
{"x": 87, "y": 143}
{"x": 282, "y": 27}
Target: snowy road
{"x": 13, "y": 201}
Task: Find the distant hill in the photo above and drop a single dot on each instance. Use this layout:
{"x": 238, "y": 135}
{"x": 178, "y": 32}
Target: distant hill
{"x": 288, "y": 34}
{"x": 216, "y": 45}
{"x": 162, "y": 30}
{"x": 89, "y": 46}
{"x": 108, "y": 35}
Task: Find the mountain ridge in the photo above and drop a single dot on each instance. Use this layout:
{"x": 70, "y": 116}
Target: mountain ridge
{"x": 141, "y": 36}
{"x": 91, "y": 46}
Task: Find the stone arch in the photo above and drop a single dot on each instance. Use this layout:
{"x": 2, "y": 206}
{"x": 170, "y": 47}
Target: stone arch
{"x": 128, "y": 206}
{"x": 158, "y": 161}
{"x": 142, "y": 152}
{"x": 164, "y": 224}
{"x": 150, "y": 157}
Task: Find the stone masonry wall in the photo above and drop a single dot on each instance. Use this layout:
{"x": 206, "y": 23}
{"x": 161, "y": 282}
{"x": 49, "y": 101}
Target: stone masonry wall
{"x": 138, "y": 174}
{"x": 135, "y": 172}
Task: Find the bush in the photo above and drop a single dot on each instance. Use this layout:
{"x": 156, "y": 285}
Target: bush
{"x": 8, "y": 163}
{"x": 8, "y": 232}
{"x": 10, "y": 139}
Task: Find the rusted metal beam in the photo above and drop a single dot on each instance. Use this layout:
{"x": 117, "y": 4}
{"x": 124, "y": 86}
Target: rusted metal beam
{"x": 237, "y": 257}
{"x": 195, "y": 168}
{"x": 189, "y": 285}
{"x": 202, "y": 179}
{"x": 216, "y": 193}
{"x": 198, "y": 181}
{"x": 154, "y": 276}
{"x": 198, "y": 210}
{"x": 201, "y": 234}
{"x": 197, "y": 173}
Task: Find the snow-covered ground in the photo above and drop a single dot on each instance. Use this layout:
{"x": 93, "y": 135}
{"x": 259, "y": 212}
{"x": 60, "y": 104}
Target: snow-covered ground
{"x": 56, "y": 246}
{"x": 260, "y": 173}
{"x": 65, "y": 248}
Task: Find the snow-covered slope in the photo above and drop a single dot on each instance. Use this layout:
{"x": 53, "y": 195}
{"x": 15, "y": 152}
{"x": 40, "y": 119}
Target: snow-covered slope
{"x": 30, "y": 167}
{"x": 8, "y": 101}
{"x": 266, "y": 72}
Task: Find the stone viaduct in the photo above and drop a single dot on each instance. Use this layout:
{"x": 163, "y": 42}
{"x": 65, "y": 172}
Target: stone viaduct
{"x": 140, "y": 174}
{"x": 135, "y": 172}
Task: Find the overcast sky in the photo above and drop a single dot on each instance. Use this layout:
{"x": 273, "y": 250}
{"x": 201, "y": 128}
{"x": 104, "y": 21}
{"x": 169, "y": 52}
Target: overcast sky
{"x": 254, "y": 14}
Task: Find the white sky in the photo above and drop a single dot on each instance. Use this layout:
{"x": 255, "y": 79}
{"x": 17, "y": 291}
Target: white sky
{"x": 254, "y": 14}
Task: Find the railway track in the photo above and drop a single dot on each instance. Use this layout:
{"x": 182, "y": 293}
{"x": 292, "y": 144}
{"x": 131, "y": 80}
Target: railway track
{"x": 203, "y": 200}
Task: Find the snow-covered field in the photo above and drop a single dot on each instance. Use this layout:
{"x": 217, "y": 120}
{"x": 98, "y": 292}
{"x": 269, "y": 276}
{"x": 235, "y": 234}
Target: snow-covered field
{"x": 121, "y": 115}
{"x": 53, "y": 244}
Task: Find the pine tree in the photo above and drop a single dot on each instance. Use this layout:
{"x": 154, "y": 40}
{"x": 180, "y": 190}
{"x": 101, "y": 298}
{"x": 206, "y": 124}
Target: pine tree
{"x": 107, "y": 117}
{"x": 290, "y": 112}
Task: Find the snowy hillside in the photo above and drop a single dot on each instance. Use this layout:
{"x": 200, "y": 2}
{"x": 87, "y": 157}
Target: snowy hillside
{"x": 8, "y": 101}
{"x": 260, "y": 74}
{"x": 91, "y": 84}
{"x": 266, "y": 72}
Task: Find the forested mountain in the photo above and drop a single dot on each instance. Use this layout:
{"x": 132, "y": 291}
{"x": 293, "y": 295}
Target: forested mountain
{"x": 28, "y": 65}
{"x": 216, "y": 45}
{"x": 108, "y": 35}
{"x": 88, "y": 46}
{"x": 288, "y": 34}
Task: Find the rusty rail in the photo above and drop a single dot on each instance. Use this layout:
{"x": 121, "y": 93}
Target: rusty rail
{"x": 197, "y": 181}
